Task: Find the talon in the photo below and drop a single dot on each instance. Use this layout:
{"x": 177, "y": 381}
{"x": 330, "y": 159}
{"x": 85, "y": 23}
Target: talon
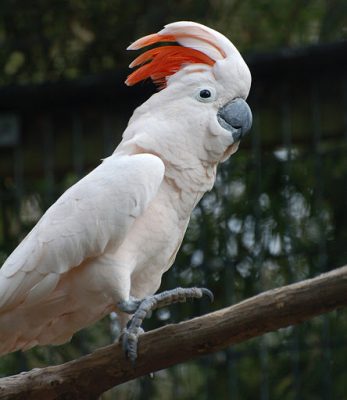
{"x": 208, "y": 293}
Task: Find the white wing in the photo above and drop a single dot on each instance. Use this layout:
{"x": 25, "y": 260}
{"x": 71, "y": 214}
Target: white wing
{"x": 93, "y": 214}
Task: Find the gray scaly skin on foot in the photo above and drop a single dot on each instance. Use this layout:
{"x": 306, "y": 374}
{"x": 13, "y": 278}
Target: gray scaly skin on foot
{"x": 141, "y": 308}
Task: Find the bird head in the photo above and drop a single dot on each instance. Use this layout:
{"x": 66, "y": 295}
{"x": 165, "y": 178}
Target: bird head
{"x": 200, "y": 112}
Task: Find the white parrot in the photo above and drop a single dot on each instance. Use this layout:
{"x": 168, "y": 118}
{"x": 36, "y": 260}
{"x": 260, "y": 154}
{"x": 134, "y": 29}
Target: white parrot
{"x": 106, "y": 242}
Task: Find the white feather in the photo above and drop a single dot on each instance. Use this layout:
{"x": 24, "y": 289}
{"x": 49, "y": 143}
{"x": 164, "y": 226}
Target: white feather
{"x": 95, "y": 213}
{"x": 202, "y": 38}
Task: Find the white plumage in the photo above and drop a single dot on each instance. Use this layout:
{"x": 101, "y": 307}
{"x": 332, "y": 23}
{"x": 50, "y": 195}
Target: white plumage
{"x": 114, "y": 233}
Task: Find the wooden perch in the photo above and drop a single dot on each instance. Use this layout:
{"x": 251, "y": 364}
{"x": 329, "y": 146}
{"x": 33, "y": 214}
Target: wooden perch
{"x": 89, "y": 376}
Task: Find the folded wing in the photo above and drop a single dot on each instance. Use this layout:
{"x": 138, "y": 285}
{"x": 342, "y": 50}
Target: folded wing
{"x": 91, "y": 216}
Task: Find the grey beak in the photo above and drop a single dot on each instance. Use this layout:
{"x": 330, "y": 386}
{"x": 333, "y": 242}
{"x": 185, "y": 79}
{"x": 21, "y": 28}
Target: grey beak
{"x": 236, "y": 117}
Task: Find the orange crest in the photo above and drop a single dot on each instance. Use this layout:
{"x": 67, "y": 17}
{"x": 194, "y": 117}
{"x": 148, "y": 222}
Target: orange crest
{"x": 160, "y": 62}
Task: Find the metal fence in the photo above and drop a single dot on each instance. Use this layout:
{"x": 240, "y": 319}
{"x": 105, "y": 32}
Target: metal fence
{"x": 276, "y": 215}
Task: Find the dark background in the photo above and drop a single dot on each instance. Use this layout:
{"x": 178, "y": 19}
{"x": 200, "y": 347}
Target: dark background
{"x": 278, "y": 210}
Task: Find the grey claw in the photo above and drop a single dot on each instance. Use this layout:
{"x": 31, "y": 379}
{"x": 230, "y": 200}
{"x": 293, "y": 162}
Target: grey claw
{"x": 208, "y": 293}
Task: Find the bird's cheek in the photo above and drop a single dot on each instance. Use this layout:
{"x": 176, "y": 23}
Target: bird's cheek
{"x": 217, "y": 145}
{"x": 220, "y": 143}
{"x": 224, "y": 136}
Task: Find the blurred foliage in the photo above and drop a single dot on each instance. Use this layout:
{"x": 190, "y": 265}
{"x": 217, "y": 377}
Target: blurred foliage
{"x": 70, "y": 38}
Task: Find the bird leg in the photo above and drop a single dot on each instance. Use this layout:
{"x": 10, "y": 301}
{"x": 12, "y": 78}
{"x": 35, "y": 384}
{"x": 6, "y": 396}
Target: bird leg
{"x": 141, "y": 308}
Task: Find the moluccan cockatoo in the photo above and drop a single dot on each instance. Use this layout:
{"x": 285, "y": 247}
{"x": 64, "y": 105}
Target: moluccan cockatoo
{"x": 106, "y": 242}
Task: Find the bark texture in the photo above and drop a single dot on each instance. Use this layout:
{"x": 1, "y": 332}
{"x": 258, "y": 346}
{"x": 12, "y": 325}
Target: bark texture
{"x": 91, "y": 375}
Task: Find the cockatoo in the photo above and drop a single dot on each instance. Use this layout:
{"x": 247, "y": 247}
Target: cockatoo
{"x": 106, "y": 242}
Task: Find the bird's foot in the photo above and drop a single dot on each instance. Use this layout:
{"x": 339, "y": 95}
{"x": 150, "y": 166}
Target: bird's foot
{"x": 142, "y": 308}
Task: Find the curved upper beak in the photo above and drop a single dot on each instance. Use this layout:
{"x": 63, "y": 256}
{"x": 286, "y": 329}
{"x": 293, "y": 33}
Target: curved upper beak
{"x": 236, "y": 117}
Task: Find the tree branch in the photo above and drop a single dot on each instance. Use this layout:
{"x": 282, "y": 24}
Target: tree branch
{"x": 89, "y": 376}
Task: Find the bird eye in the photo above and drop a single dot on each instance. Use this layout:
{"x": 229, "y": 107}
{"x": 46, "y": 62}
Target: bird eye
{"x": 205, "y": 95}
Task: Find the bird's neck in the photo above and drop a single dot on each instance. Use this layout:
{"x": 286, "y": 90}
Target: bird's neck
{"x": 185, "y": 181}
{"x": 185, "y": 187}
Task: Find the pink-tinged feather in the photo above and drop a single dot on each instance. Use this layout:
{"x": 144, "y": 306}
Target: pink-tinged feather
{"x": 149, "y": 40}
